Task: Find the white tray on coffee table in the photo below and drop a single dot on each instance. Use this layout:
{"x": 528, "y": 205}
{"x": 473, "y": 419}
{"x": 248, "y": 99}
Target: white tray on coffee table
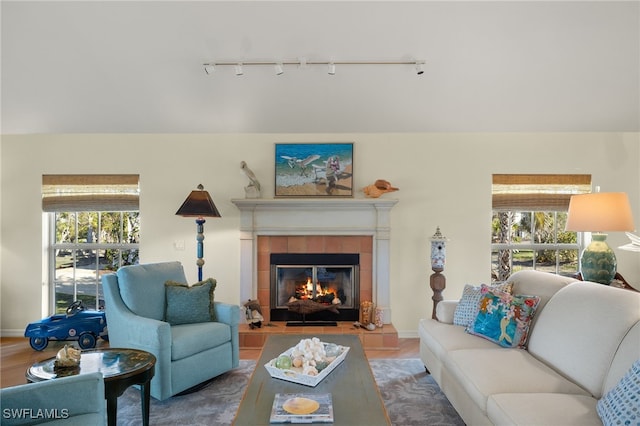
{"x": 295, "y": 374}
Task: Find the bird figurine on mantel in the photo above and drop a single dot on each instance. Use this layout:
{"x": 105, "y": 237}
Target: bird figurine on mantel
{"x": 378, "y": 188}
{"x": 253, "y": 189}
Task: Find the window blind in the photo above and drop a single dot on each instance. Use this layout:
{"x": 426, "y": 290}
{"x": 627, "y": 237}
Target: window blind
{"x": 539, "y": 192}
{"x": 90, "y": 193}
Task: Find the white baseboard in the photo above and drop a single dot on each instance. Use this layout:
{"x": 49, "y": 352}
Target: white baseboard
{"x": 11, "y": 332}
{"x": 408, "y": 334}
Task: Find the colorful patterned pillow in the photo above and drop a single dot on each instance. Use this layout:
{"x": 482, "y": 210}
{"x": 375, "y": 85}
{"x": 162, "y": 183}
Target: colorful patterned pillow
{"x": 621, "y": 405}
{"x": 504, "y": 318}
{"x": 189, "y": 304}
{"x": 467, "y": 308}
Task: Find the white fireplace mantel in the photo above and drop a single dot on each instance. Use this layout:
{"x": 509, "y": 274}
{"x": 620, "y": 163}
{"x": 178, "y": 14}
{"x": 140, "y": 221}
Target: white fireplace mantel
{"x": 335, "y": 216}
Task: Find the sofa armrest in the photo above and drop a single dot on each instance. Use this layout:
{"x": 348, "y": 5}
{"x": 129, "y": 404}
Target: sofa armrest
{"x": 445, "y": 311}
{"x": 59, "y": 398}
{"x": 227, "y": 313}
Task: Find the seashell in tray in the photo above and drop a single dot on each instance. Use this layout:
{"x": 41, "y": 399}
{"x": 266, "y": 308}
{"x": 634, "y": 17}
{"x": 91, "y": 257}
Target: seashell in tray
{"x": 68, "y": 357}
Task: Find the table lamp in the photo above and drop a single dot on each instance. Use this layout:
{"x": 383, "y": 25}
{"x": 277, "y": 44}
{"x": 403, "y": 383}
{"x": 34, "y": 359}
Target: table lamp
{"x": 597, "y": 213}
{"x": 199, "y": 205}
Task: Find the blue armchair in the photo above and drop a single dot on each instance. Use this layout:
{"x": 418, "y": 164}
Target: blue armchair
{"x": 187, "y": 354}
{"x": 74, "y": 400}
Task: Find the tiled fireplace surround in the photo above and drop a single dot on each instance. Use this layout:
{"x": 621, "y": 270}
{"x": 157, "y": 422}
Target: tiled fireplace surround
{"x": 312, "y": 244}
{"x": 316, "y": 226}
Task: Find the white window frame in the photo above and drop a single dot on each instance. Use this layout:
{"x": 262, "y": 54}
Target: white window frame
{"x": 555, "y": 246}
{"x": 74, "y": 247}
{"x": 518, "y": 194}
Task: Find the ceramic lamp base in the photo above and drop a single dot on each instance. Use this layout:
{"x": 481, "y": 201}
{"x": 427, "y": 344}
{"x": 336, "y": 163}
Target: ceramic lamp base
{"x": 598, "y": 262}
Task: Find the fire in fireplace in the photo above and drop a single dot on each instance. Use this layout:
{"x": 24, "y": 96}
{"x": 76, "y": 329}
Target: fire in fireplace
{"x": 325, "y": 278}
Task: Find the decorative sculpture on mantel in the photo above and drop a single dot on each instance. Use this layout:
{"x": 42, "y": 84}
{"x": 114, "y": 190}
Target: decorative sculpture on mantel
{"x": 253, "y": 189}
{"x": 378, "y": 188}
{"x": 437, "y": 281}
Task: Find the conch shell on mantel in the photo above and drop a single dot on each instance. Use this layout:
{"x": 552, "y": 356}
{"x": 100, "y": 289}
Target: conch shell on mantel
{"x": 68, "y": 357}
{"x": 378, "y": 188}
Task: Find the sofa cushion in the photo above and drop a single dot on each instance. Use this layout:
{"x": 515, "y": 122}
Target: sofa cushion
{"x": 542, "y": 409}
{"x": 142, "y": 287}
{"x": 537, "y": 283}
{"x": 444, "y": 338}
{"x": 627, "y": 353}
{"x": 503, "y": 318}
{"x": 621, "y": 405}
{"x": 467, "y": 309}
{"x": 445, "y": 310}
{"x": 485, "y": 372}
{"x": 190, "y": 304}
{"x": 580, "y": 330}
{"x": 190, "y": 339}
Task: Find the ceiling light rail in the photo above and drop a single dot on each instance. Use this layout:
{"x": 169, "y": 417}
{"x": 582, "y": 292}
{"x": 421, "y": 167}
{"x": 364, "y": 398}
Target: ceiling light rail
{"x": 278, "y": 66}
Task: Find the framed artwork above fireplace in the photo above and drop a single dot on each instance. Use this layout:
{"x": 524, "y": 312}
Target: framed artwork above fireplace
{"x": 314, "y": 170}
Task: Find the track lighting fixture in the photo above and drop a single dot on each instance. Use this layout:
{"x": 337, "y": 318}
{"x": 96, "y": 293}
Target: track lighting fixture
{"x": 303, "y": 63}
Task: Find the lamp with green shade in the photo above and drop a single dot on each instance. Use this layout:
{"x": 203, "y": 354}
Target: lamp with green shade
{"x": 599, "y": 212}
{"x": 199, "y": 205}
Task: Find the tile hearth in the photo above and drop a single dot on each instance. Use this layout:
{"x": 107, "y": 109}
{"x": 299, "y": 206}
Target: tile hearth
{"x": 385, "y": 338}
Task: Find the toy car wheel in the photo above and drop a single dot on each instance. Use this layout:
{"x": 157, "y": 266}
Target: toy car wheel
{"x": 38, "y": 343}
{"x": 87, "y": 341}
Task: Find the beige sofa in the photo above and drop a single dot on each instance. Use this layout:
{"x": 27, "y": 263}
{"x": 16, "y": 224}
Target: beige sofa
{"x": 583, "y": 338}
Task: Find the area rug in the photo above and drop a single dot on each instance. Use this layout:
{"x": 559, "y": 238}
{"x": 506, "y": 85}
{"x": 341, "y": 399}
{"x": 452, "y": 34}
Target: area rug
{"x": 410, "y": 395}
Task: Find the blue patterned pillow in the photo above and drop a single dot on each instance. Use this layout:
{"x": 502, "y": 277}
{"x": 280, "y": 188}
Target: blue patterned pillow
{"x": 621, "y": 405}
{"x": 189, "y": 304}
{"x": 467, "y": 308}
{"x": 503, "y": 318}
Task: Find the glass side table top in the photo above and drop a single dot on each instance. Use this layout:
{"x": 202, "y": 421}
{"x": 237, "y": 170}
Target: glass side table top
{"x": 110, "y": 362}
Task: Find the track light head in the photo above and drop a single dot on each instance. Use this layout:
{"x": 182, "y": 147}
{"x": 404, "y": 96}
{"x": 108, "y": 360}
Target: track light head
{"x": 278, "y": 65}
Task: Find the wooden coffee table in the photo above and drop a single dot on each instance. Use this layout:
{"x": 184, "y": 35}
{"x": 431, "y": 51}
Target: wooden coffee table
{"x": 120, "y": 368}
{"x": 356, "y": 398}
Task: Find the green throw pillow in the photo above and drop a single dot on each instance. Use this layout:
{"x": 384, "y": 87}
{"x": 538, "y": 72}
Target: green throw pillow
{"x": 189, "y": 304}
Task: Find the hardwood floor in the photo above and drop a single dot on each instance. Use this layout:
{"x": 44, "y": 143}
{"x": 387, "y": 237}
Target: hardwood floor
{"x": 16, "y": 356}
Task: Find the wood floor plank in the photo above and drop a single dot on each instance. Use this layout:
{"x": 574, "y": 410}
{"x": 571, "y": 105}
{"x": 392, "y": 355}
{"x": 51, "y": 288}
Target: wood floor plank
{"x": 16, "y": 356}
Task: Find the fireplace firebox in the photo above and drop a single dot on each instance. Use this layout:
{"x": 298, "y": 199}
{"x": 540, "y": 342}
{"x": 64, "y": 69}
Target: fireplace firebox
{"x": 329, "y": 279}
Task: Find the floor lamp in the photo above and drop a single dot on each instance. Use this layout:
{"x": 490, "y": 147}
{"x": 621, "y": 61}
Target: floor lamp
{"x": 199, "y": 205}
{"x": 597, "y": 213}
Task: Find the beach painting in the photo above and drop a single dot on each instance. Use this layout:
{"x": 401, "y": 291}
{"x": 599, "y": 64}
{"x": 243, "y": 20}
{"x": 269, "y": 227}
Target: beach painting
{"x": 314, "y": 170}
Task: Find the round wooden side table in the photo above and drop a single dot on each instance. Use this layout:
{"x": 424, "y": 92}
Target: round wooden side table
{"x": 120, "y": 368}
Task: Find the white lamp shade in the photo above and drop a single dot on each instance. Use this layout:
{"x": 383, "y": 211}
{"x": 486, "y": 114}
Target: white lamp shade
{"x": 600, "y": 212}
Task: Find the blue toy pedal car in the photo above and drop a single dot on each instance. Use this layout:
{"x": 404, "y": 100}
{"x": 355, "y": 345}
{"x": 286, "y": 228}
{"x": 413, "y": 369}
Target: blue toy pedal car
{"x": 79, "y": 324}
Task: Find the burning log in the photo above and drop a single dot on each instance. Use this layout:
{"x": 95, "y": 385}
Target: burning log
{"x": 307, "y": 306}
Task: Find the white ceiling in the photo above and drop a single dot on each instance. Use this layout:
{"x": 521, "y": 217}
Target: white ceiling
{"x": 110, "y": 67}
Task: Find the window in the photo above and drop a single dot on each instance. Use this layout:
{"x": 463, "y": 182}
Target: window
{"x": 94, "y": 227}
{"x": 528, "y": 221}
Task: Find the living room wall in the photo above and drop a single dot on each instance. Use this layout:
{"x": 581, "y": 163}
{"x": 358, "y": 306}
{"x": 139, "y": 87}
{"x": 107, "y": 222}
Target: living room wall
{"x": 444, "y": 180}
